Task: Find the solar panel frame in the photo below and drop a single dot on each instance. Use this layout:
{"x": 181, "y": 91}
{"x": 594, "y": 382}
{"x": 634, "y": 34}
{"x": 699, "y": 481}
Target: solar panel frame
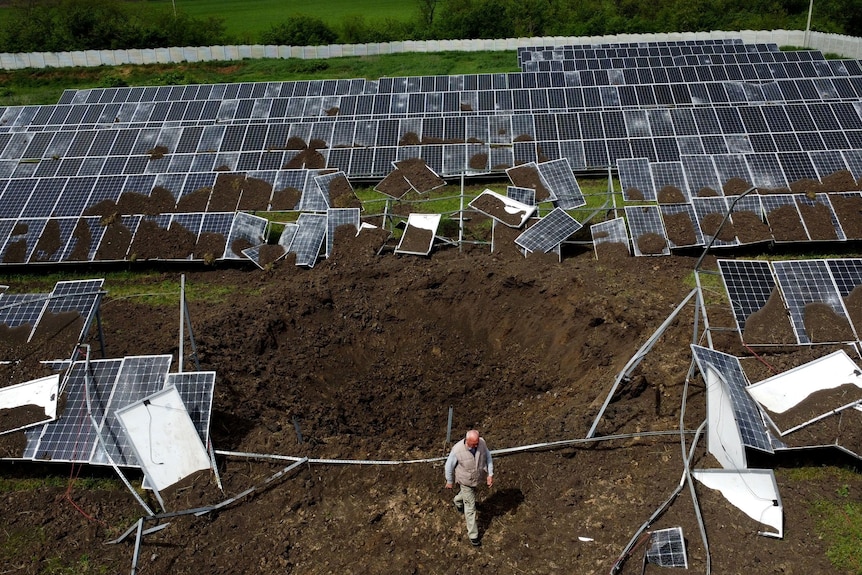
{"x": 706, "y": 206}
{"x": 644, "y": 220}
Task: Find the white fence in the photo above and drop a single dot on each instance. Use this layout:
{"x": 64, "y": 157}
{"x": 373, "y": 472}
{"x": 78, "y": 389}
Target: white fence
{"x": 846, "y": 46}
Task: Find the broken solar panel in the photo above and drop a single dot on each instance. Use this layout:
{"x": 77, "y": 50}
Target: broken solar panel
{"x": 419, "y": 175}
{"x": 333, "y": 185}
{"x": 139, "y": 376}
{"x": 312, "y": 199}
{"x": 558, "y": 178}
{"x": 522, "y": 195}
{"x": 680, "y": 224}
{"x": 418, "y": 237}
{"x": 667, "y": 548}
{"x": 71, "y": 438}
{"x": 502, "y": 208}
{"x": 254, "y": 254}
{"x": 22, "y": 399}
{"x": 748, "y": 217}
{"x": 636, "y": 179}
{"x": 17, "y": 310}
{"x": 647, "y": 231}
{"x": 336, "y": 217}
{"x": 81, "y": 296}
{"x": 782, "y": 392}
{"x": 746, "y": 415}
{"x": 549, "y": 232}
{"x": 394, "y": 185}
{"x": 247, "y": 231}
{"x": 711, "y": 214}
{"x": 749, "y": 284}
{"x": 611, "y": 231}
{"x": 196, "y": 390}
{"x": 807, "y": 285}
{"x": 308, "y": 239}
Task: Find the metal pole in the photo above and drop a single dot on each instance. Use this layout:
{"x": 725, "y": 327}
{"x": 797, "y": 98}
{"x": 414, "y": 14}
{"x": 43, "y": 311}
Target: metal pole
{"x": 808, "y": 24}
{"x": 182, "y": 318}
{"x": 461, "y": 217}
{"x": 449, "y": 427}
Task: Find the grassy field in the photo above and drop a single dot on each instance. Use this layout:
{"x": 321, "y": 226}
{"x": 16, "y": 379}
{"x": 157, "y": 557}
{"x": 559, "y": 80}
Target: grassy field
{"x": 244, "y": 18}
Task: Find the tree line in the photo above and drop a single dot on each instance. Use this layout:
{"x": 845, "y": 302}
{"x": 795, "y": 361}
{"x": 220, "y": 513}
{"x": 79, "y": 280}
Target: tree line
{"x": 61, "y": 25}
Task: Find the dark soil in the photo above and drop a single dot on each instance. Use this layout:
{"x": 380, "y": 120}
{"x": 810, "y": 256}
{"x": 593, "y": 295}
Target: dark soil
{"x": 750, "y": 228}
{"x": 416, "y": 240}
{"x": 848, "y": 210}
{"x": 394, "y": 185}
{"x": 818, "y": 221}
{"x": 651, "y": 243}
{"x": 419, "y": 175}
{"x": 671, "y": 195}
{"x": 786, "y": 225}
{"x": 496, "y": 208}
{"x": 285, "y": 199}
{"x": 770, "y": 324}
{"x": 528, "y": 177}
{"x": 710, "y": 223}
{"x": 823, "y": 325}
{"x": 361, "y": 358}
{"x": 680, "y": 229}
{"x": 815, "y": 405}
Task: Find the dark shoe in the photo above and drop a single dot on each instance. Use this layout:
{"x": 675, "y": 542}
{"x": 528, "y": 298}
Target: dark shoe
{"x": 476, "y": 542}
{"x": 458, "y": 508}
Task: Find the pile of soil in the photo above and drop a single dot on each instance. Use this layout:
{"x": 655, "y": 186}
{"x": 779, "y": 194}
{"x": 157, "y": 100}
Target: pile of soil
{"x": 527, "y": 176}
{"x": 361, "y": 357}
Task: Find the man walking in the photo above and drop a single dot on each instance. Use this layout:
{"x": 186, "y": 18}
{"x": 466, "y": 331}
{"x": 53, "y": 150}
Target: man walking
{"x": 468, "y": 464}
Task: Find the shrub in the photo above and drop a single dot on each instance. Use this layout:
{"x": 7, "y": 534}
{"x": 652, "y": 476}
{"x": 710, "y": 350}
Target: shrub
{"x": 300, "y": 30}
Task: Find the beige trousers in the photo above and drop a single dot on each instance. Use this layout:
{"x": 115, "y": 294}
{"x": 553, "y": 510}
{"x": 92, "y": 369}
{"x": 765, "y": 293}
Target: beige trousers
{"x": 467, "y": 498}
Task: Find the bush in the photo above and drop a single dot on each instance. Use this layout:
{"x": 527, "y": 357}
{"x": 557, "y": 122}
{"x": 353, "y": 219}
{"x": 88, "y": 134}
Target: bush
{"x": 300, "y": 30}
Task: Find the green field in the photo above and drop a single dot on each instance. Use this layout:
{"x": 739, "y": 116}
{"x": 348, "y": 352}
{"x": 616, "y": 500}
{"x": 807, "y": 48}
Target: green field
{"x": 247, "y": 18}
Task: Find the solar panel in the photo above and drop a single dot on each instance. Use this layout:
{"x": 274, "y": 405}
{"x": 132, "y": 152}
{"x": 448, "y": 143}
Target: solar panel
{"x": 749, "y": 284}
{"x": 610, "y": 231}
{"x": 524, "y": 195}
{"x": 636, "y": 179}
{"x": 710, "y": 212}
{"x": 548, "y": 232}
{"x": 647, "y": 231}
{"x": 807, "y": 282}
{"x": 680, "y": 224}
{"x": 669, "y": 182}
{"x": 247, "y": 230}
{"x": 196, "y": 390}
{"x": 309, "y": 237}
{"x": 745, "y": 411}
{"x": 558, "y": 178}
{"x": 667, "y": 548}
{"x": 138, "y": 377}
{"x": 71, "y": 438}
{"x": 418, "y": 236}
{"x": 784, "y": 218}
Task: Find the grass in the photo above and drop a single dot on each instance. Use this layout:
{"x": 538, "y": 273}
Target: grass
{"x": 45, "y": 86}
{"x": 248, "y": 18}
{"x": 838, "y": 515}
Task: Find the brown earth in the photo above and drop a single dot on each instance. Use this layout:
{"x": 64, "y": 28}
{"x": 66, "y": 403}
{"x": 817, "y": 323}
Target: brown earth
{"x": 361, "y": 358}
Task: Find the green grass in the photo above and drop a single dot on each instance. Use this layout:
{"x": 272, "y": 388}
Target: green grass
{"x": 13, "y": 485}
{"x": 838, "y": 515}
{"x": 247, "y": 18}
{"x": 45, "y": 86}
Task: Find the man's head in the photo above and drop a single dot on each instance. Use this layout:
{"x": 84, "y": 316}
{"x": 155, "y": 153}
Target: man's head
{"x": 472, "y": 439}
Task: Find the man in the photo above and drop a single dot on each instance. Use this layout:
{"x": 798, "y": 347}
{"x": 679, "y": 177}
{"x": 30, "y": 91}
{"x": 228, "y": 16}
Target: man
{"x": 468, "y": 464}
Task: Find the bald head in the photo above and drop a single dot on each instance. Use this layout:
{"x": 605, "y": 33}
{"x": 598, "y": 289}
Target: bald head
{"x": 472, "y": 439}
